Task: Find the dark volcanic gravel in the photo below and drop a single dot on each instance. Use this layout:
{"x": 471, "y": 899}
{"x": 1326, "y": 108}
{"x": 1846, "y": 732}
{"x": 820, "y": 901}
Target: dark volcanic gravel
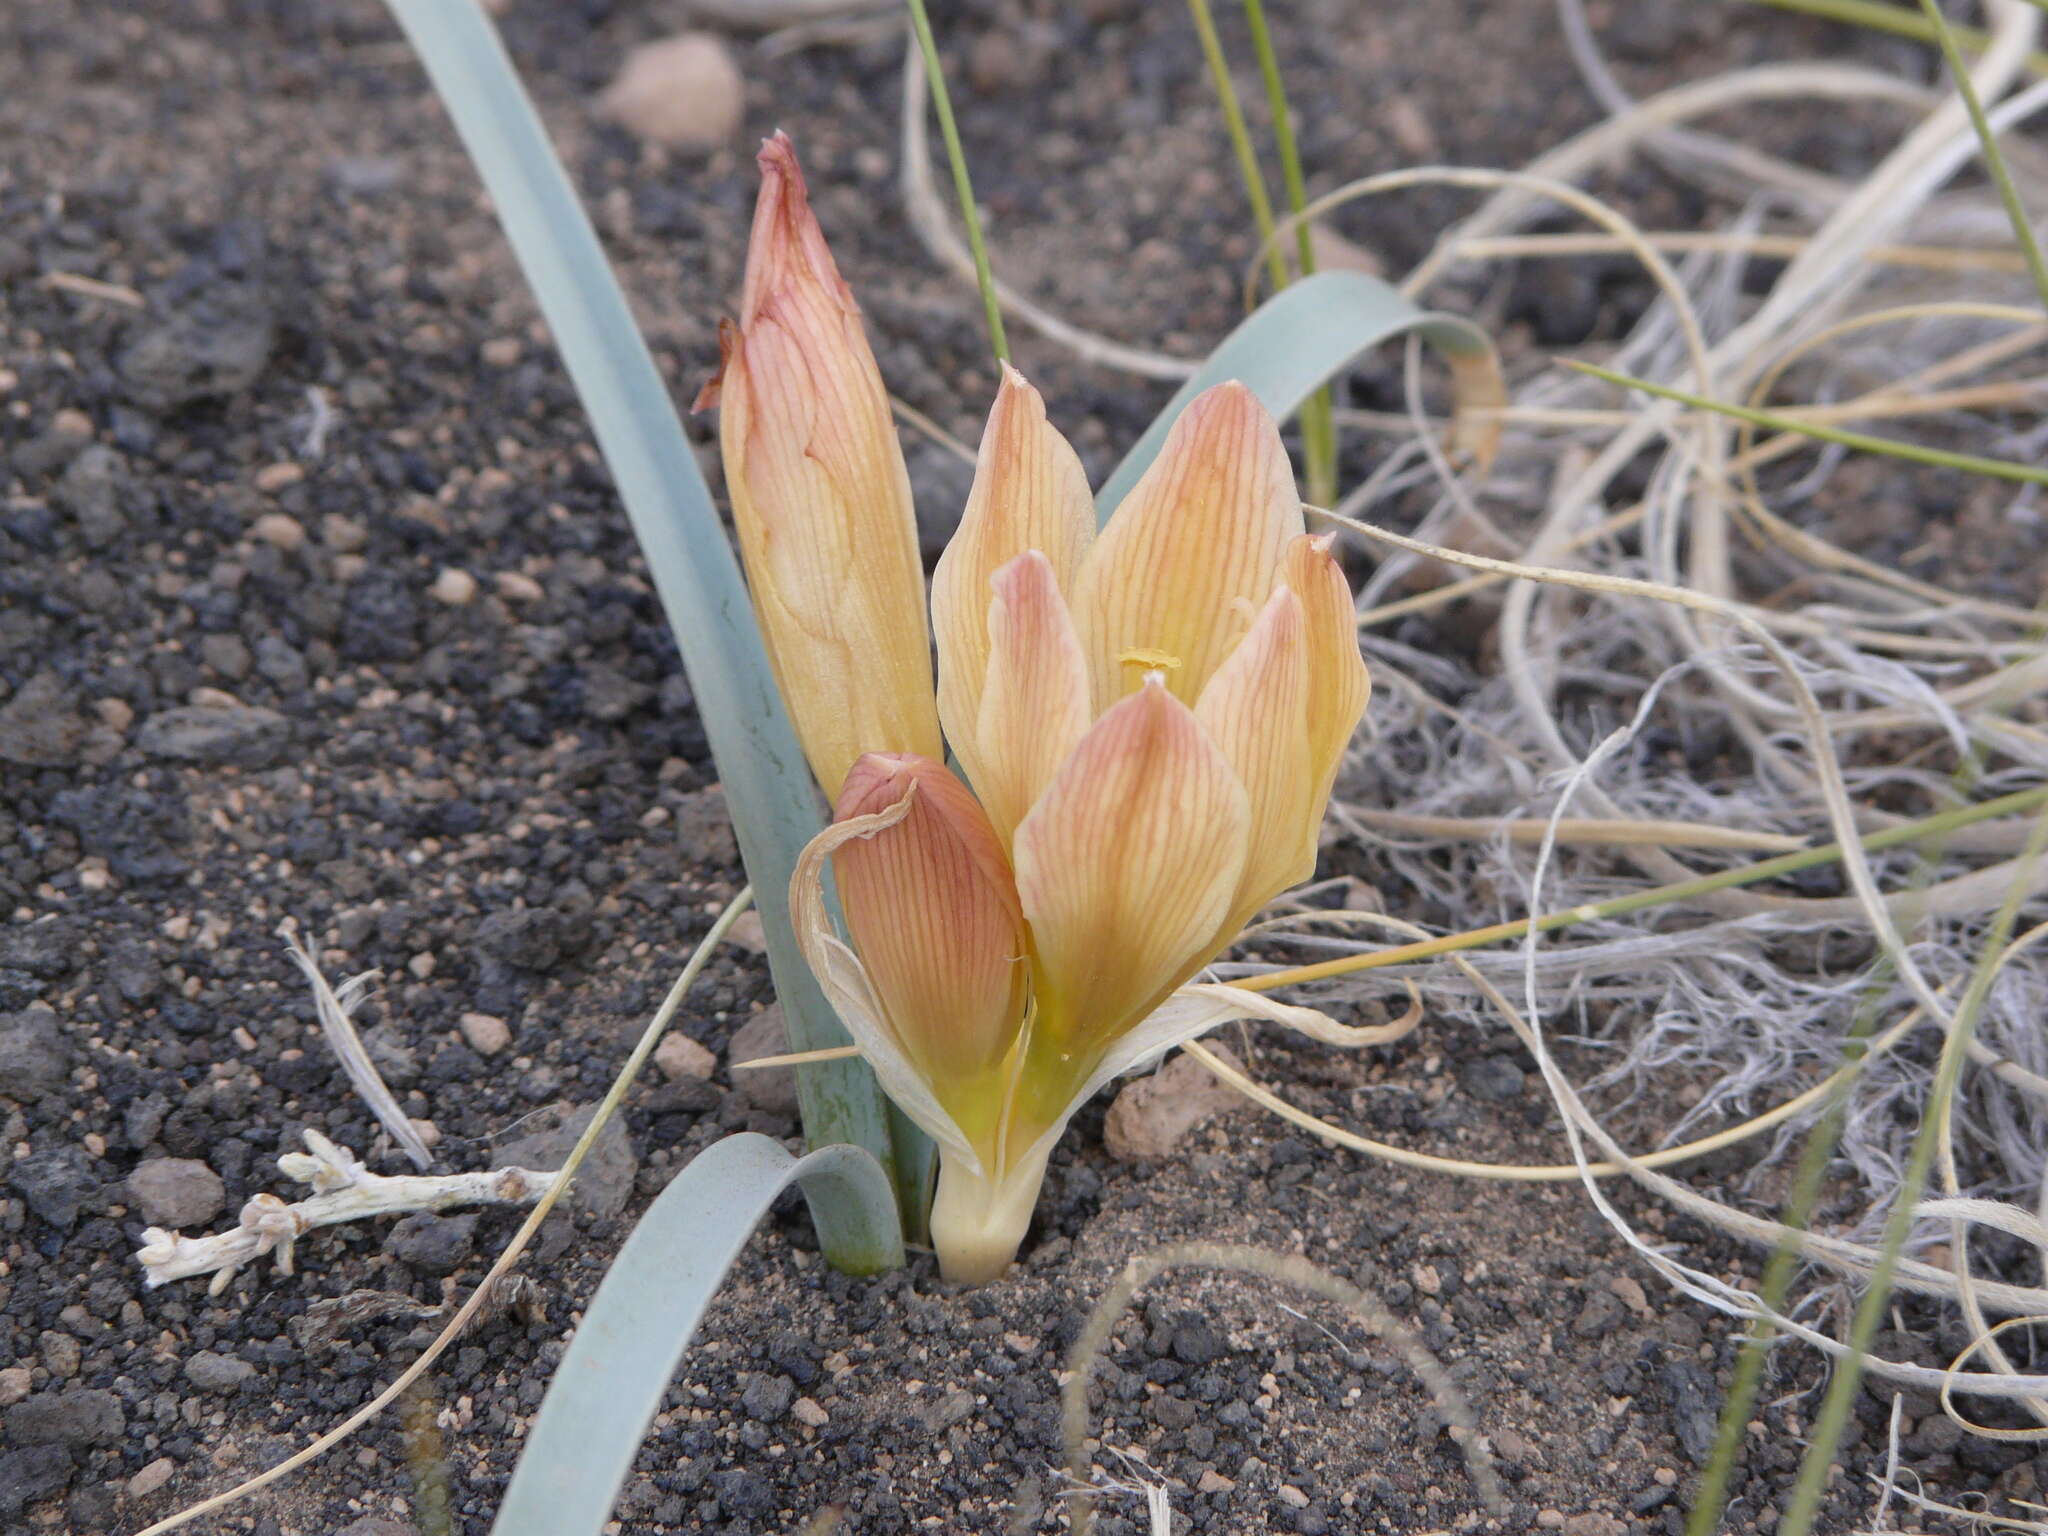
{"x": 240, "y": 688}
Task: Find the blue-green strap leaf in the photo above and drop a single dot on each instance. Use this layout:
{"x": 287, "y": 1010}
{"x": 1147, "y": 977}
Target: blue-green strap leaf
{"x": 637, "y": 1326}
{"x": 1295, "y": 342}
{"x": 768, "y": 788}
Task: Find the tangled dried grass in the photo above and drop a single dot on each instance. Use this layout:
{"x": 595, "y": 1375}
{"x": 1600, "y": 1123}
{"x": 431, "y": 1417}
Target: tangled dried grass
{"x": 1768, "y": 684}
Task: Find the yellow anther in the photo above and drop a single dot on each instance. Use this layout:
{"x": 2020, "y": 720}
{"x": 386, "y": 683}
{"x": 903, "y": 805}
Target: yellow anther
{"x": 1148, "y": 660}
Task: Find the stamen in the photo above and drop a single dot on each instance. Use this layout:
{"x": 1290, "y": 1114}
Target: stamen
{"x": 1147, "y": 661}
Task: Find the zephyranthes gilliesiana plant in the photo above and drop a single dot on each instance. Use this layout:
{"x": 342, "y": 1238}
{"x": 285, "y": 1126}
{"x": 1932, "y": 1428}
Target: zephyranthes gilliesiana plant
{"x": 1149, "y": 718}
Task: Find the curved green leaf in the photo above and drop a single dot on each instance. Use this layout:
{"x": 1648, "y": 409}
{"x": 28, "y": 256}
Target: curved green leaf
{"x": 1296, "y": 341}
{"x": 768, "y": 788}
{"x": 641, "y": 1320}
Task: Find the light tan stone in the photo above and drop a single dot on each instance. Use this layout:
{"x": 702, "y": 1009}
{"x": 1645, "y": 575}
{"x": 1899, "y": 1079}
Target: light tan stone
{"x": 1154, "y": 1114}
{"x": 684, "y": 91}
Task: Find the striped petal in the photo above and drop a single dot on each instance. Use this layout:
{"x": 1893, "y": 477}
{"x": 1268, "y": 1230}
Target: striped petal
{"x": 1338, "y": 684}
{"x": 934, "y": 918}
{"x": 1127, "y": 867}
{"x": 1176, "y": 578}
{"x": 820, "y": 497}
{"x": 1029, "y": 493}
{"x": 1256, "y": 710}
{"x": 1034, "y": 706}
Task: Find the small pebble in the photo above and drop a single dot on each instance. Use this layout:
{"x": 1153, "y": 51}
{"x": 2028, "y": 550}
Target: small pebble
{"x": 61, "y": 1353}
{"x": 517, "y": 587}
{"x": 768, "y": 1397}
{"x": 454, "y": 587}
{"x": 679, "y": 1056}
{"x": 808, "y": 1411}
{"x": 73, "y": 424}
{"x": 14, "y": 1384}
{"x": 176, "y": 1192}
{"x": 211, "y": 1372}
{"x": 1153, "y": 1115}
{"x": 343, "y": 535}
{"x": 771, "y": 1088}
{"x": 1493, "y": 1079}
{"x": 487, "y": 1034}
{"x": 280, "y": 530}
{"x": 436, "y": 1244}
{"x": 151, "y": 1478}
{"x": 683, "y": 91}
{"x": 272, "y": 478}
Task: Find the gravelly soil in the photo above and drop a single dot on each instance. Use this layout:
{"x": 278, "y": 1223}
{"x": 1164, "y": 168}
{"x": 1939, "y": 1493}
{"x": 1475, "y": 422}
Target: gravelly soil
{"x": 238, "y": 688}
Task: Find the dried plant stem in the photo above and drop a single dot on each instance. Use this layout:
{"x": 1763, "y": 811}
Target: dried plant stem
{"x": 1703, "y": 1519}
{"x": 478, "y": 1298}
{"x": 343, "y": 1190}
{"x": 927, "y": 215}
{"x": 335, "y": 1006}
{"x": 1555, "y": 1173}
{"x": 1833, "y": 1417}
{"x": 963, "y": 185}
{"x": 1934, "y": 826}
{"x": 1932, "y": 258}
{"x": 1529, "y": 830}
{"x": 1290, "y": 1270}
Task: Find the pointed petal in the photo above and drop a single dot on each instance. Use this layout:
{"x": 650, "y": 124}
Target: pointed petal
{"x": 1034, "y": 707}
{"x": 786, "y": 248}
{"x": 1256, "y": 710}
{"x": 1127, "y": 866}
{"x": 1338, "y": 684}
{"x": 820, "y": 496}
{"x": 1178, "y": 575}
{"x": 1029, "y": 493}
{"x": 933, "y": 914}
{"x": 852, "y": 992}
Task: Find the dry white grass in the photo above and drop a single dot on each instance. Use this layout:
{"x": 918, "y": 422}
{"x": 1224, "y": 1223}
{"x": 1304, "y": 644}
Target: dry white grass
{"x": 1693, "y": 657}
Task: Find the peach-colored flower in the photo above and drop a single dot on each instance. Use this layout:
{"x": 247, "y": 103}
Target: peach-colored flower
{"x": 1150, "y": 719}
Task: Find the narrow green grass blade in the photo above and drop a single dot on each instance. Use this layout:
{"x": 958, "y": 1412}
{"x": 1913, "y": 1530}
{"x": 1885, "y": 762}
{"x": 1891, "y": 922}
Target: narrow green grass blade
{"x": 767, "y": 785}
{"x": 1832, "y": 1419}
{"x": 1898, "y": 20}
{"x": 963, "y": 184}
{"x": 1994, "y": 161}
{"x": 641, "y": 1320}
{"x": 1292, "y": 344}
{"x": 1318, "y": 423}
{"x": 1941, "y": 458}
